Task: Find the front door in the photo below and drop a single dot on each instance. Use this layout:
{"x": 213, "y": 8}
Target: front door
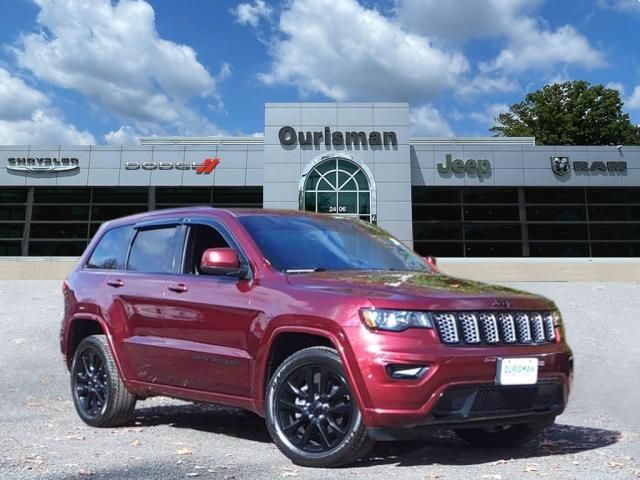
{"x": 208, "y": 320}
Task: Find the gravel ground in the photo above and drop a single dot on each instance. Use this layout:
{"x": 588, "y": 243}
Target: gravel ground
{"x": 597, "y": 437}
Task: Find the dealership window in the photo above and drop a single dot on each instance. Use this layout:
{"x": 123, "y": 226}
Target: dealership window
{"x": 536, "y": 222}
{"x": 224, "y": 197}
{"x": 467, "y": 222}
{"x": 13, "y": 208}
{"x": 60, "y": 221}
{"x": 338, "y": 186}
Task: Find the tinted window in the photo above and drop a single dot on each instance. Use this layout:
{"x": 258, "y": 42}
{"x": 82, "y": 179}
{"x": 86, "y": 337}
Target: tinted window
{"x": 435, "y": 195}
{"x": 56, "y": 249}
{"x": 152, "y": 251}
{"x": 111, "y": 251}
{"x": 13, "y": 195}
{"x": 492, "y": 213}
{"x": 436, "y": 212}
{"x": 490, "y": 195}
{"x": 61, "y": 195}
{"x": 328, "y": 243}
{"x": 440, "y": 249}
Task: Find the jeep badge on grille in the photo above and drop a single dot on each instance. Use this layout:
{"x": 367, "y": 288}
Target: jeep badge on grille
{"x": 501, "y": 304}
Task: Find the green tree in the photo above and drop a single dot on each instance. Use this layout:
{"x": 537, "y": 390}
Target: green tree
{"x": 570, "y": 113}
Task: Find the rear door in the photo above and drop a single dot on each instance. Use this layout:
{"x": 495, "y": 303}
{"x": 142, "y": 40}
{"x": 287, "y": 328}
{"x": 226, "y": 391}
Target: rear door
{"x": 208, "y": 318}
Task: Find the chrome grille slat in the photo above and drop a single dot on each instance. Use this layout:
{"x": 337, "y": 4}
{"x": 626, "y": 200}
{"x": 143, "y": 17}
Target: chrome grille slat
{"x": 494, "y": 328}
{"x": 549, "y": 328}
{"x": 489, "y": 327}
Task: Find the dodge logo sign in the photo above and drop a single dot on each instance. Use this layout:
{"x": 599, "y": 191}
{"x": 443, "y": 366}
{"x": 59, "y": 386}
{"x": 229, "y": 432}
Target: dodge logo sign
{"x": 560, "y": 165}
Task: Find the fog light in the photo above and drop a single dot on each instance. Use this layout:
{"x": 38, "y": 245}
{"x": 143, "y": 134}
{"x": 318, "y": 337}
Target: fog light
{"x": 406, "y": 372}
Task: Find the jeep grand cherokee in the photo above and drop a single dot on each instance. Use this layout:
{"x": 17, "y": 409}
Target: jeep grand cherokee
{"x": 329, "y": 327}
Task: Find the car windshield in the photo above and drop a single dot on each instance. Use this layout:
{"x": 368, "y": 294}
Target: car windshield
{"x": 318, "y": 243}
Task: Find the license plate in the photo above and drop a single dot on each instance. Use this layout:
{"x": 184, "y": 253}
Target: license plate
{"x": 517, "y": 371}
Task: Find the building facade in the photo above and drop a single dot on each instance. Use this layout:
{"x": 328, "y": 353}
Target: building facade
{"x": 452, "y": 197}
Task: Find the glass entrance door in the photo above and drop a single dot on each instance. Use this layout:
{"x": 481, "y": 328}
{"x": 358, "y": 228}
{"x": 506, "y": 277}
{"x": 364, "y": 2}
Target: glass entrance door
{"x": 338, "y": 186}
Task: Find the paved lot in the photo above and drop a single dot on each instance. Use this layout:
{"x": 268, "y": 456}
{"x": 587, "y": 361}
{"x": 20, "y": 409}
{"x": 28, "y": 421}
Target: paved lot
{"x": 597, "y": 438}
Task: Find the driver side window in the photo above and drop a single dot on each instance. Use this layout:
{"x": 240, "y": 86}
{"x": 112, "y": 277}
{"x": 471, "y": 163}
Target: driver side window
{"x": 199, "y": 239}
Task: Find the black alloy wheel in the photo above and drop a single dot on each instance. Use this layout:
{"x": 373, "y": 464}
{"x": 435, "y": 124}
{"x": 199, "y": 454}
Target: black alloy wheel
{"x": 311, "y": 413}
{"x": 98, "y": 392}
{"x": 314, "y": 408}
{"x": 91, "y": 385}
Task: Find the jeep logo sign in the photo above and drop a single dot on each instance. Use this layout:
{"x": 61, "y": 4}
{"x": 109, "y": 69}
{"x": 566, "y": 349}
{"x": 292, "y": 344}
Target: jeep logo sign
{"x": 470, "y": 167}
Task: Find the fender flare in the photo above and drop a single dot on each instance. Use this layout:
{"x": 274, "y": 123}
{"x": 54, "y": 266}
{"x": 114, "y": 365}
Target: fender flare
{"x": 107, "y": 332}
{"x": 339, "y": 341}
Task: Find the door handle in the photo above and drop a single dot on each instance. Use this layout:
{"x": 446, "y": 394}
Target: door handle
{"x": 177, "y": 287}
{"x": 117, "y": 283}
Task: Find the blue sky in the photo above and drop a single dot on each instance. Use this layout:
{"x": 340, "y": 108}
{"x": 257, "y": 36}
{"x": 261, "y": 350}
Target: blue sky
{"x": 100, "y": 71}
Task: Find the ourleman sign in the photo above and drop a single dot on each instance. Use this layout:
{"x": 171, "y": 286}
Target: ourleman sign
{"x": 42, "y": 164}
{"x": 471, "y": 166}
{"x": 288, "y": 136}
{"x": 562, "y": 166}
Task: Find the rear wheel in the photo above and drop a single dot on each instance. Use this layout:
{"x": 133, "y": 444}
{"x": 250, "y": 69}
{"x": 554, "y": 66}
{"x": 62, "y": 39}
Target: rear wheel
{"x": 99, "y": 395}
{"x": 311, "y": 413}
{"x": 508, "y": 436}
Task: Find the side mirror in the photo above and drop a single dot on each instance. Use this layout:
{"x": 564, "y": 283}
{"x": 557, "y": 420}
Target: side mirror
{"x": 221, "y": 261}
{"x": 432, "y": 262}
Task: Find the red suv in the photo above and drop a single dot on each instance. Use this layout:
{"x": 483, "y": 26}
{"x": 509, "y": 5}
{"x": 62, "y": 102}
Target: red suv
{"x": 329, "y": 327}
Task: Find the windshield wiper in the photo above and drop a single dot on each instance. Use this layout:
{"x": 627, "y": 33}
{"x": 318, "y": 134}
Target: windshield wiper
{"x": 305, "y": 270}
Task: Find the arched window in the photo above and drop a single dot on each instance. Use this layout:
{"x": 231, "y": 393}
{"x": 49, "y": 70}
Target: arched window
{"x": 338, "y": 186}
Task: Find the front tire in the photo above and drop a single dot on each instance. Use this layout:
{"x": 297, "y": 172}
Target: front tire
{"x": 509, "y": 436}
{"x": 99, "y": 395}
{"x": 310, "y": 411}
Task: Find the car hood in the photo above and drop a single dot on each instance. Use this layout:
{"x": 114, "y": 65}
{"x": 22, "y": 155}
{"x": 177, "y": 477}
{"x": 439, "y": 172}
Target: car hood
{"x": 420, "y": 290}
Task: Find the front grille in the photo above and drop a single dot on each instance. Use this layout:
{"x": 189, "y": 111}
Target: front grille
{"x": 494, "y": 328}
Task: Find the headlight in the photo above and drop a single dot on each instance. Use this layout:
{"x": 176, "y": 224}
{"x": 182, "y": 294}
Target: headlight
{"x": 557, "y": 318}
{"x": 395, "y": 320}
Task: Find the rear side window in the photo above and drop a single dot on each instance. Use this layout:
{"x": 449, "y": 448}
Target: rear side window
{"x": 152, "y": 251}
{"x": 111, "y": 251}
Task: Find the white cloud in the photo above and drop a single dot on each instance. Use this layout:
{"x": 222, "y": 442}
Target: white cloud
{"x": 484, "y": 84}
{"x": 633, "y": 102}
{"x": 616, "y": 86}
{"x": 26, "y": 117}
{"x": 346, "y": 51}
{"x": 17, "y": 99}
{"x": 427, "y": 121}
{"x": 251, "y": 14}
{"x": 44, "y": 129}
{"x": 125, "y": 135}
{"x": 113, "y": 55}
{"x": 490, "y": 114}
{"x": 461, "y": 20}
{"x": 532, "y": 48}
{"x": 530, "y": 44}
{"x": 624, "y": 6}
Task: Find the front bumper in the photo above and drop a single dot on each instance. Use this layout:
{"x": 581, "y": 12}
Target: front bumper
{"x": 459, "y": 387}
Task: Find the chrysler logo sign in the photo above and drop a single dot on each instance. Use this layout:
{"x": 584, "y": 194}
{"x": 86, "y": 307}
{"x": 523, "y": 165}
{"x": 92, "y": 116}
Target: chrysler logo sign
{"x": 42, "y": 164}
